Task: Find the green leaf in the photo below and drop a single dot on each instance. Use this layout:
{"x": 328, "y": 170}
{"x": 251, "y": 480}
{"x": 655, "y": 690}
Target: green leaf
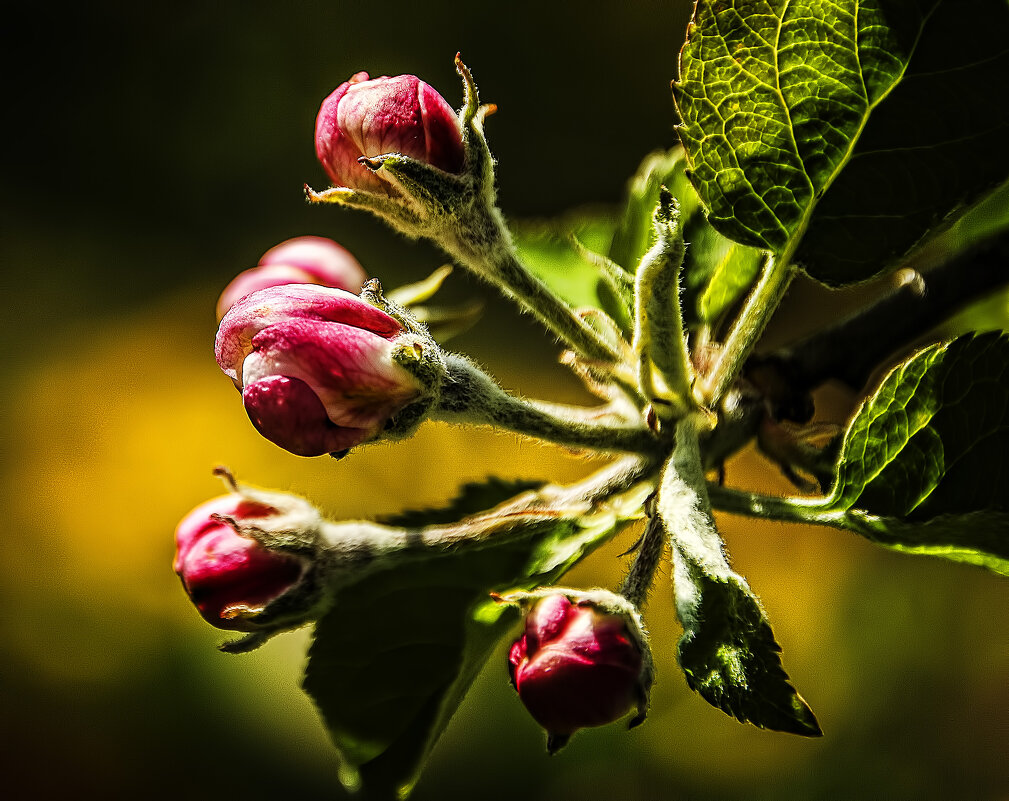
{"x": 728, "y": 652}
{"x": 731, "y": 270}
{"x": 923, "y": 463}
{"x": 471, "y": 497}
{"x": 716, "y": 270}
{"x": 984, "y": 220}
{"x": 974, "y": 538}
{"x": 729, "y": 656}
{"x": 852, "y": 128}
{"x": 545, "y": 247}
{"x": 395, "y": 655}
{"x": 933, "y": 438}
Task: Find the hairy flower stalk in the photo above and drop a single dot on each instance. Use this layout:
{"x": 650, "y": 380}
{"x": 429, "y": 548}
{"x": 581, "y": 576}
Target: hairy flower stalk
{"x": 648, "y": 553}
{"x": 263, "y": 562}
{"x": 469, "y": 395}
{"x": 422, "y": 193}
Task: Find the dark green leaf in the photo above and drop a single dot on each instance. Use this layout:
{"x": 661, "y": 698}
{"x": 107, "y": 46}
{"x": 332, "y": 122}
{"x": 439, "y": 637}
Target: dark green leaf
{"x": 472, "y": 497}
{"x": 728, "y": 652}
{"x": 730, "y": 657}
{"x": 395, "y": 655}
{"x": 985, "y": 220}
{"x": 879, "y": 116}
{"x": 923, "y": 464}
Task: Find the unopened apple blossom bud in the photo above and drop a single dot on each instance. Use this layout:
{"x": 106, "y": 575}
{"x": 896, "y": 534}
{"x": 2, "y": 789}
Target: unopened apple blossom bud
{"x": 231, "y": 578}
{"x": 371, "y": 117}
{"x": 319, "y": 368}
{"x": 302, "y": 260}
{"x": 581, "y": 661}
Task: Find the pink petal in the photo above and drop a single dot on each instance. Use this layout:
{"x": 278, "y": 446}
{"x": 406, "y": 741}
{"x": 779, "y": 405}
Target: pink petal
{"x": 330, "y": 264}
{"x": 253, "y": 313}
{"x": 288, "y": 413}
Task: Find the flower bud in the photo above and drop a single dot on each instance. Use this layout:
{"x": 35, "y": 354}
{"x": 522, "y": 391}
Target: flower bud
{"x": 302, "y": 260}
{"x": 315, "y": 365}
{"x": 231, "y": 578}
{"x": 369, "y": 118}
{"x": 581, "y": 661}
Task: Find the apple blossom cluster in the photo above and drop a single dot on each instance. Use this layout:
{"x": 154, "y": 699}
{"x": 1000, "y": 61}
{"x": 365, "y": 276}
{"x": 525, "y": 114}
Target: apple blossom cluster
{"x": 661, "y": 331}
{"x": 325, "y": 362}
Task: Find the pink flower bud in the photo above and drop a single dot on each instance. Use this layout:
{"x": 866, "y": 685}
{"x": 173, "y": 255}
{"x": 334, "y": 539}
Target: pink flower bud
{"x": 229, "y": 577}
{"x": 302, "y": 260}
{"x": 575, "y": 666}
{"x": 386, "y": 115}
{"x": 315, "y": 366}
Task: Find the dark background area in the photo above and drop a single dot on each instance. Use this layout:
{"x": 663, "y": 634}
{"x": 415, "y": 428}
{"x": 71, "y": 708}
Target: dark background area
{"x": 152, "y": 152}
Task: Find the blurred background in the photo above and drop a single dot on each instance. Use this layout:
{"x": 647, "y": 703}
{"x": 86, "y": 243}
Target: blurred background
{"x": 155, "y": 151}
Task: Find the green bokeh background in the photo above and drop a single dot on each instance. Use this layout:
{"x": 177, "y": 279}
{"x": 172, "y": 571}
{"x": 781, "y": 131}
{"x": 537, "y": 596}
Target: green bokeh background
{"x": 155, "y": 151}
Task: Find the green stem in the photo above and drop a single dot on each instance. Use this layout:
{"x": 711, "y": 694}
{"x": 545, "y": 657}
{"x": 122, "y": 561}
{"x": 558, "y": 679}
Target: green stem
{"x": 469, "y": 395}
{"x": 788, "y": 510}
{"x": 642, "y": 573}
{"x": 485, "y": 247}
{"x": 684, "y": 506}
{"x": 760, "y": 305}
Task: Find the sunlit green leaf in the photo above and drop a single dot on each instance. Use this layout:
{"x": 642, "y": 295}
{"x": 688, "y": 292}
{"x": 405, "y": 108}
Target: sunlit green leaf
{"x": 733, "y": 268}
{"x": 545, "y": 247}
{"x": 395, "y": 655}
{"x": 923, "y": 464}
{"x": 852, "y": 127}
{"x": 933, "y": 438}
{"x": 730, "y": 657}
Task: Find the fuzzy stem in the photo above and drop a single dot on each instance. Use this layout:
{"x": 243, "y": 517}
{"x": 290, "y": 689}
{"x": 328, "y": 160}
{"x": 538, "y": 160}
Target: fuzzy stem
{"x": 760, "y": 305}
{"x": 683, "y": 499}
{"x": 642, "y": 573}
{"x": 485, "y": 247}
{"x": 788, "y": 510}
{"x": 470, "y": 395}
